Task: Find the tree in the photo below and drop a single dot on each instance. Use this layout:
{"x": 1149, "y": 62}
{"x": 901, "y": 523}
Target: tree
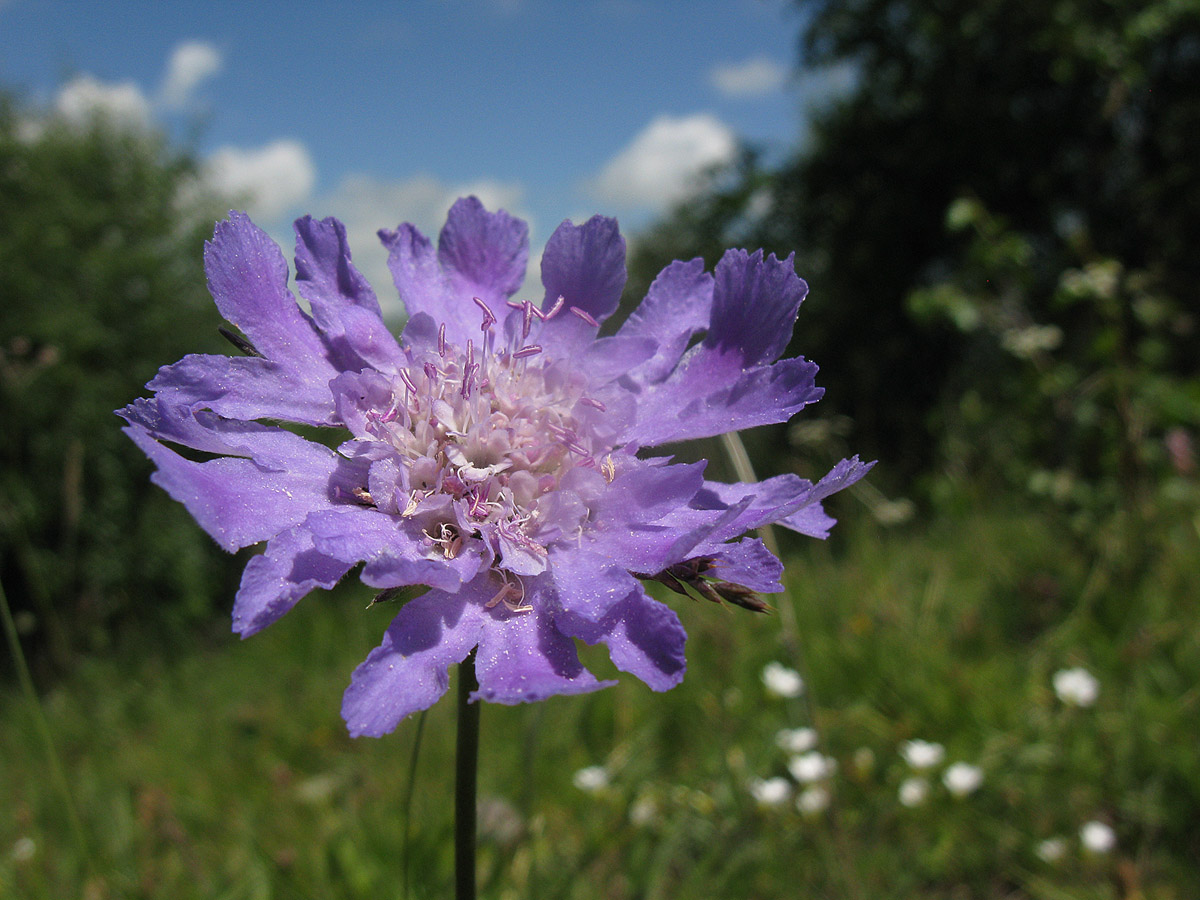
{"x": 101, "y": 281}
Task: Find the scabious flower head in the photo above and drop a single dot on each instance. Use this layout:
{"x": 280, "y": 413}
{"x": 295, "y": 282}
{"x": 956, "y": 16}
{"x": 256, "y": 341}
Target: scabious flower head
{"x": 495, "y": 453}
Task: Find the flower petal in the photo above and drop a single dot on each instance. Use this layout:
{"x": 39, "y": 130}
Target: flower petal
{"x": 276, "y": 580}
{"x": 343, "y": 303}
{"x": 677, "y": 306}
{"x": 408, "y": 672}
{"x": 247, "y": 276}
{"x": 644, "y": 637}
{"x": 245, "y": 388}
{"x": 585, "y": 265}
{"x": 754, "y": 306}
{"x": 523, "y": 658}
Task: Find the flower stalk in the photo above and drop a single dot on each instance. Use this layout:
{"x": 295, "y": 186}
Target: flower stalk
{"x": 466, "y": 772}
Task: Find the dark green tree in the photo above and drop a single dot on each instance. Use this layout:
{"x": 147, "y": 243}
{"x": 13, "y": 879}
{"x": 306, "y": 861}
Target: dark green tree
{"x": 101, "y": 282}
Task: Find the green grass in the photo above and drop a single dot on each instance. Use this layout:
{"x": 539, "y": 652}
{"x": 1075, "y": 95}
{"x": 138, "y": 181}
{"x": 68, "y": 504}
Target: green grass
{"x": 224, "y": 771}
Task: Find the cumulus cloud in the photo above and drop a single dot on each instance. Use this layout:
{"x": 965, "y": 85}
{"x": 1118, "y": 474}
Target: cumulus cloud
{"x": 84, "y": 98}
{"x": 750, "y": 78}
{"x": 191, "y": 63}
{"x": 663, "y": 164}
{"x": 271, "y": 179}
{"x": 366, "y": 204}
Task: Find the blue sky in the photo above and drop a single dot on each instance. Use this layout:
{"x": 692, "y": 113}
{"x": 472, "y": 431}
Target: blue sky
{"x": 382, "y": 112}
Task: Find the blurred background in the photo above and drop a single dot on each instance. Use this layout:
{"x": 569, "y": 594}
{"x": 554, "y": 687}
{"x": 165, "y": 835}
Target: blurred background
{"x": 995, "y": 205}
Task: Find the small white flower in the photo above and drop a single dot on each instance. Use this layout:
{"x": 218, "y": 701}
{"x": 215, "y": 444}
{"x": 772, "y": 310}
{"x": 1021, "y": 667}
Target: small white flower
{"x": 591, "y": 779}
{"x": 913, "y": 792}
{"x": 962, "y": 779}
{"x": 796, "y": 740}
{"x": 1076, "y": 687}
{"x": 812, "y": 766}
{"x": 1052, "y": 849}
{"x": 770, "y": 791}
{"x": 813, "y": 800}
{"x": 1097, "y": 837}
{"x": 23, "y": 850}
{"x": 644, "y": 811}
{"x": 923, "y": 755}
{"x": 782, "y": 681}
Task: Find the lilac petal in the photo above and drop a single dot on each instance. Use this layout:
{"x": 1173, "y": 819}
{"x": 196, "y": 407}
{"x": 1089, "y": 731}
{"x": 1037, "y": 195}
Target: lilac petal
{"x": 754, "y": 306}
{"x": 394, "y": 550}
{"x": 480, "y": 254}
{"x": 240, "y": 501}
{"x": 343, "y": 303}
{"x": 523, "y": 658}
{"x": 750, "y": 564}
{"x": 585, "y": 265}
{"x": 709, "y": 396}
{"x": 245, "y": 388}
{"x": 609, "y": 357}
{"x": 644, "y": 637}
{"x": 677, "y": 306}
{"x": 247, "y": 276}
{"x": 785, "y": 499}
{"x": 276, "y": 580}
{"x": 588, "y": 584}
{"x": 483, "y": 254}
{"x": 408, "y": 672}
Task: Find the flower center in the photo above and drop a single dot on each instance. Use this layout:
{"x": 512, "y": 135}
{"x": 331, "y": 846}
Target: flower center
{"x": 494, "y": 431}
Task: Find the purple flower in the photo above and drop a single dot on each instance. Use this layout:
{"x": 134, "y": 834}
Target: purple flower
{"x": 492, "y": 453}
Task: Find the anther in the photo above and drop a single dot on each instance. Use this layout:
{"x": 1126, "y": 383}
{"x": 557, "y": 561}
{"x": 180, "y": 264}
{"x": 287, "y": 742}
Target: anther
{"x": 531, "y": 350}
{"x": 585, "y": 315}
{"x": 488, "y": 318}
{"x": 408, "y": 382}
{"x": 558, "y": 305}
{"x": 527, "y": 321}
{"x": 442, "y": 340}
{"x": 594, "y": 404}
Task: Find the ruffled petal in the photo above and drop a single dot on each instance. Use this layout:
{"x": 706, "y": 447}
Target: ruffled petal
{"x": 247, "y": 276}
{"x": 754, "y": 306}
{"x": 480, "y": 254}
{"x": 238, "y": 500}
{"x": 245, "y": 388}
{"x": 711, "y": 395}
{"x": 344, "y": 305}
{"x": 749, "y": 563}
{"x": 523, "y": 658}
{"x": 276, "y": 580}
{"x": 677, "y": 306}
{"x": 644, "y": 637}
{"x": 585, "y": 265}
{"x": 408, "y": 672}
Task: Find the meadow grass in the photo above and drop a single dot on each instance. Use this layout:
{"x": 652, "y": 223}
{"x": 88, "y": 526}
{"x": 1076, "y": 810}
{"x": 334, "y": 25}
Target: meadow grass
{"x": 223, "y": 770}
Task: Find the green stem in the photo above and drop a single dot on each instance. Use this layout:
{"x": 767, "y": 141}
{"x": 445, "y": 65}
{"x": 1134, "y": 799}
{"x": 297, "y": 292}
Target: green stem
{"x": 406, "y": 813}
{"x": 466, "y": 768}
{"x": 43, "y": 727}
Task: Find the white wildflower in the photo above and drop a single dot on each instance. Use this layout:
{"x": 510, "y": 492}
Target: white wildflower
{"x": 1097, "y": 837}
{"x": 1076, "y": 687}
{"x": 913, "y": 792}
{"x": 923, "y": 755}
{"x": 812, "y": 766}
{"x": 962, "y": 779}
{"x": 1052, "y": 849}
{"x": 782, "y": 681}
{"x": 813, "y": 800}
{"x": 796, "y": 740}
{"x": 770, "y": 791}
{"x": 591, "y": 779}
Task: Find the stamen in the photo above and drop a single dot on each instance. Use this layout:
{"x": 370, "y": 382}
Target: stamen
{"x": 583, "y": 314}
{"x": 577, "y": 447}
{"x": 594, "y": 404}
{"x": 442, "y": 340}
{"x": 527, "y": 321}
{"x": 408, "y": 382}
{"x": 431, "y": 371}
{"x": 531, "y": 350}
{"x": 558, "y": 305}
{"x": 488, "y": 318}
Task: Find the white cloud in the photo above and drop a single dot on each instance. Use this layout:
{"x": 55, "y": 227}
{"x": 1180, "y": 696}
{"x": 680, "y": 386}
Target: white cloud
{"x": 191, "y": 63}
{"x": 664, "y": 163}
{"x": 751, "y": 78}
{"x": 85, "y": 98}
{"x": 271, "y": 179}
{"x": 366, "y": 204}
